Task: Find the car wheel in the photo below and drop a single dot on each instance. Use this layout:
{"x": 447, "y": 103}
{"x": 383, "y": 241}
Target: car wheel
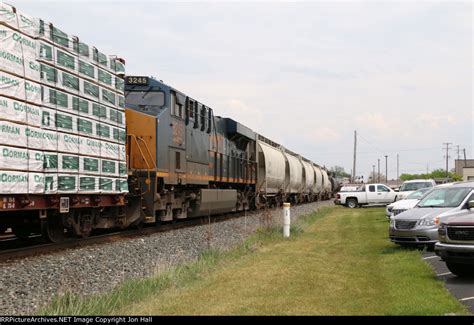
{"x": 352, "y": 203}
{"x": 461, "y": 270}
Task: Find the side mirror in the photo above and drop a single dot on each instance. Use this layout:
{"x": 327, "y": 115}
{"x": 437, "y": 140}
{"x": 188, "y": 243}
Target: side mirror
{"x": 470, "y": 204}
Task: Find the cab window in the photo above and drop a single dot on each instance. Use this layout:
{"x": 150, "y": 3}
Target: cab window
{"x": 372, "y": 188}
{"x": 382, "y": 188}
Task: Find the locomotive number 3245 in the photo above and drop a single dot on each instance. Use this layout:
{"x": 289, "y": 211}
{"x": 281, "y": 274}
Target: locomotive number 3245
{"x": 131, "y": 80}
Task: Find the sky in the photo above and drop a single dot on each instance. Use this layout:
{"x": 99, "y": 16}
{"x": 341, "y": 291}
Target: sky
{"x": 304, "y": 74}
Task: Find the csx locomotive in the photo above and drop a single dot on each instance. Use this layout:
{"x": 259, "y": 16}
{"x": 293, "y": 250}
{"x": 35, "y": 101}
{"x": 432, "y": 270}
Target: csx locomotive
{"x": 185, "y": 162}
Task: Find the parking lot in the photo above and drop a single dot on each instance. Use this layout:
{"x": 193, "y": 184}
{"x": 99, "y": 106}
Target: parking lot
{"x": 461, "y": 288}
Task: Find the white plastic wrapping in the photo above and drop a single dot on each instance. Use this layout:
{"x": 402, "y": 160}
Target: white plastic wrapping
{"x": 41, "y": 138}
{"x": 8, "y": 16}
{"x": 68, "y": 143}
{"x": 36, "y": 183}
{"x": 12, "y": 86}
{"x": 13, "y": 182}
{"x": 12, "y": 134}
{"x": 21, "y": 112}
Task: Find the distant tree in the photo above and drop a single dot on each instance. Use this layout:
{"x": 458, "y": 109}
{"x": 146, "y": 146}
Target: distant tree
{"x": 437, "y": 173}
{"x": 339, "y": 171}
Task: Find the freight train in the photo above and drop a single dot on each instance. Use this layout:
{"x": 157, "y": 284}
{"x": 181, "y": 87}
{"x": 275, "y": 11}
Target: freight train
{"x": 183, "y": 162}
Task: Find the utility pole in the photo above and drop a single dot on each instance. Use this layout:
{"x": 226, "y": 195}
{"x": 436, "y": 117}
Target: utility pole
{"x": 465, "y": 161}
{"x": 457, "y": 151}
{"x": 447, "y": 144}
{"x": 397, "y": 170}
{"x": 373, "y": 174}
{"x": 378, "y": 170}
{"x": 386, "y": 173}
{"x": 354, "y": 161}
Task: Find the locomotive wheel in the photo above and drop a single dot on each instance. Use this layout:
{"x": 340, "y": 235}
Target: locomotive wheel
{"x": 53, "y": 229}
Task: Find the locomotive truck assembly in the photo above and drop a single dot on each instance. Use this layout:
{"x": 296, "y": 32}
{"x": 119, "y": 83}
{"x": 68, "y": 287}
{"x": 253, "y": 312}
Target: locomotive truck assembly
{"x": 163, "y": 155}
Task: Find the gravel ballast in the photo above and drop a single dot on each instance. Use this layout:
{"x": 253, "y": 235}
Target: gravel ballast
{"x": 30, "y": 283}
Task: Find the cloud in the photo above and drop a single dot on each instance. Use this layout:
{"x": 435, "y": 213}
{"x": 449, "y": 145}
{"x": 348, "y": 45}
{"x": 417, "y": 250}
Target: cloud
{"x": 434, "y": 121}
{"x": 324, "y": 134}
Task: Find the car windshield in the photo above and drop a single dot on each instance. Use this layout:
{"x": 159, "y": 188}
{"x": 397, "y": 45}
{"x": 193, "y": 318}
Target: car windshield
{"x": 415, "y": 186}
{"x": 418, "y": 194}
{"x": 444, "y": 197}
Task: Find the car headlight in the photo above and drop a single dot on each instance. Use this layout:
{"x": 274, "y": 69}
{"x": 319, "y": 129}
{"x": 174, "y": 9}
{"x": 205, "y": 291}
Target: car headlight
{"x": 442, "y": 232}
{"x": 426, "y": 222}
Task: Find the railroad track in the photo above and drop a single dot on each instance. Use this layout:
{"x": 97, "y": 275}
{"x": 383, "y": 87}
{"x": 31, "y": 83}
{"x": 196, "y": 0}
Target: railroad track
{"x": 7, "y": 255}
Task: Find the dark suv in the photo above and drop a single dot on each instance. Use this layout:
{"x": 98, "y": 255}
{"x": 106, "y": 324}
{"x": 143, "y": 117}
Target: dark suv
{"x": 456, "y": 242}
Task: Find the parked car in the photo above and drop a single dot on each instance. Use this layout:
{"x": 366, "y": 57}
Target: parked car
{"x": 408, "y": 203}
{"x": 365, "y": 195}
{"x": 456, "y": 241}
{"x": 409, "y": 187}
{"x": 418, "y": 226}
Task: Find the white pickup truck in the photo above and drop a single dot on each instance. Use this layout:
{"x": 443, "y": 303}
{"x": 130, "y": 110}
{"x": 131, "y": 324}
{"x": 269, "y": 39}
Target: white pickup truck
{"x": 374, "y": 194}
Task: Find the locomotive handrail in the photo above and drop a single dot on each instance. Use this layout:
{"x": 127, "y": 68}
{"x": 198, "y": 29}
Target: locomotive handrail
{"x": 148, "y": 182}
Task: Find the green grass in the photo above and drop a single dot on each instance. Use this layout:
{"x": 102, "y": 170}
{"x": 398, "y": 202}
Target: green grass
{"x": 338, "y": 261}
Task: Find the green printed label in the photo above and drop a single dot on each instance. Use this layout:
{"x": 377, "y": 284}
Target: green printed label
{"x": 122, "y": 169}
{"x": 11, "y": 57}
{"x": 21, "y": 107}
{"x": 46, "y": 119}
{"x": 103, "y": 130}
{"x": 87, "y": 183}
{"x": 46, "y": 52}
{"x": 113, "y": 115}
{"x": 91, "y": 89}
{"x": 25, "y": 41}
{"x": 108, "y": 96}
{"x": 105, "y": 77}
{"x": 84, "y": 126}
{"x": 80, "y": 105}
{"x": 59, "y": 37}
{"x": 91, "y": 164}
{"x": 49, "y": 73}
{"x": 49, "y": 183}
{"x": 10, "y": 129}
{"x": 86, "y": 69}
{"x": 66, "y": 183}
{"x": 50, "y": 161}
{"x": 70, "y": 81}
{"x": 14, "y": 154}
{"x": 119, "y": 135}
{"x": 63, "y": 121}
{"x": 99, "y": 110}
{"x": 83, "y": 49}
{"x": 70, "y": 162}
{"x": 65, "y": 60}
{"x": 119, "y": 84}
{"x": 106, "y": 184}
{"x": 108, "y": 166}
{"x": 7, "y": 178}
{"x": 5, "y": 80}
